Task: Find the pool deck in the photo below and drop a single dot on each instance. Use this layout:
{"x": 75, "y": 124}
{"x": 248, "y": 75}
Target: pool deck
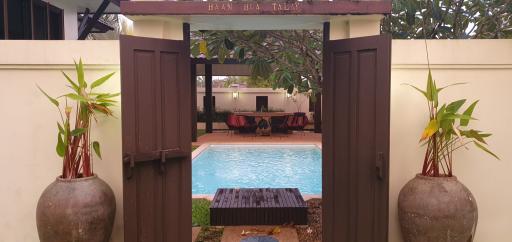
{"x": 294, "y": 138}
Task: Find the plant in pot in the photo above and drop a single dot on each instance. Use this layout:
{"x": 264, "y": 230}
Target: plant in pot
{"x": 78, "y": 205}
{"x": 434, "y": 206}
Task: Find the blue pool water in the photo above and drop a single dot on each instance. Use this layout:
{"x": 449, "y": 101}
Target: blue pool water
{"x": 258, "y": 166}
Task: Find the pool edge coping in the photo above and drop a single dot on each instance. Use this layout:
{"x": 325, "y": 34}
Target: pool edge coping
{"x": 204, "y": 146}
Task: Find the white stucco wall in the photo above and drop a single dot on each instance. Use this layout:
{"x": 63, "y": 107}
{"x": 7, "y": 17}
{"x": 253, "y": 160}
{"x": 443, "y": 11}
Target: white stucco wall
{"x": 486, "y": 67}
{"x": 277, "y": 99}
{"x": 27, "y": 127}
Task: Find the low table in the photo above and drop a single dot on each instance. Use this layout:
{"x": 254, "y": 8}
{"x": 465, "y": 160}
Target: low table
{"x": 258, "y": 206}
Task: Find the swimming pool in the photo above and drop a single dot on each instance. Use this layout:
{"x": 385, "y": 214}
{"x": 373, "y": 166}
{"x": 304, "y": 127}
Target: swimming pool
{"x": 258, "y": 166}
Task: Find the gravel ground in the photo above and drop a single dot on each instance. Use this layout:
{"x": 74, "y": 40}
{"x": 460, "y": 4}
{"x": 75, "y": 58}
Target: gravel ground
{"x": 306, "y": 233}
{"x": 313, "y": 231}
{"x": 210, "y": 234}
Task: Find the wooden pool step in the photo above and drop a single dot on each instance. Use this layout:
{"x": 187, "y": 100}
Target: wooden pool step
{"x": 258, "y": 206}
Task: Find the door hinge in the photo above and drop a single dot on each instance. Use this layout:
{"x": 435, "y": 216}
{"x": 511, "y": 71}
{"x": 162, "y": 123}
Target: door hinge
{"x": 162, "y": 160}
{"x": 379, "y": 165}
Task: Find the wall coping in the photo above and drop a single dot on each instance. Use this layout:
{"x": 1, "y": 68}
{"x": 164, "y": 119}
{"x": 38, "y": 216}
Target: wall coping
{"x": 44, "y": 54}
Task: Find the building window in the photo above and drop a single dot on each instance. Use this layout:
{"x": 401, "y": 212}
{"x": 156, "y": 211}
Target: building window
{"x": 262, "y": 103}
{"x": 56, "y": 20}
{"x": 30, "y": 19}
{"x": 2, "y": 22}
{"x": 18, "y": 19}
{"x": 40, "y": 20}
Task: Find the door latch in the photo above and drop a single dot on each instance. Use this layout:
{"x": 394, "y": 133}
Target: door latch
{"x": 129, "y": 158}
{"x": 163, "y": 158}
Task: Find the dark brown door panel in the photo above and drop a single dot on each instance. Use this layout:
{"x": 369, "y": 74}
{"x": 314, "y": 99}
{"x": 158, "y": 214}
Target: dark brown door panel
{"x": 156, "y": 118}
{"x": 356, "y": 139}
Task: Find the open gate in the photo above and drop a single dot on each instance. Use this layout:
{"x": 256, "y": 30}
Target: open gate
{"x": 156, "y": 119}
{"x": 356, "y": 91}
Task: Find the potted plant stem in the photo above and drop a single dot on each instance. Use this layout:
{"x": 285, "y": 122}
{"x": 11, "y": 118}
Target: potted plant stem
{"x": 434, "y": 206}
{"x": 78, "y": 205}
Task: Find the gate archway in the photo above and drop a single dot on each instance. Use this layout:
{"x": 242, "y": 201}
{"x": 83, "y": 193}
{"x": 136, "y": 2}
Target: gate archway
{"x": 156, "y": 112}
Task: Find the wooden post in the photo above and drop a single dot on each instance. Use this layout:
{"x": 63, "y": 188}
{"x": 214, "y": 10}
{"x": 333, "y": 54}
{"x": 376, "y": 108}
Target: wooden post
{"x": 208, "y": 109}
{"x": 318, "y": 95}
{"x": 193, "y": 83}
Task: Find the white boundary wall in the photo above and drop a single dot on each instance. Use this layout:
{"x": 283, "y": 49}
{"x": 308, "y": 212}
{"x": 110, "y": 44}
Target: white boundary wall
{"x": 246, "y": 101}
{"x": 28, "y": 161}
{"x": 27, "y": 128}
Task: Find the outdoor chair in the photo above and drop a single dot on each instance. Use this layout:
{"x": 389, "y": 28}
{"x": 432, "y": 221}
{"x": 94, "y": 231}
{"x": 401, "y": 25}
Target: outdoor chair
{"x": 245, "y": 126}
{"x": 232, "y": 123}
{"x": 290, "y": 121}
{"x": 279, "y": 124}
{"x": 299, "y": 123}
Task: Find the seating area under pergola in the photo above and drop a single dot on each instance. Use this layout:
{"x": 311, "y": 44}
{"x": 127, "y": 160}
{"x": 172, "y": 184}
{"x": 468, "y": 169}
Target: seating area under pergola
{"x": 258, "y": 122}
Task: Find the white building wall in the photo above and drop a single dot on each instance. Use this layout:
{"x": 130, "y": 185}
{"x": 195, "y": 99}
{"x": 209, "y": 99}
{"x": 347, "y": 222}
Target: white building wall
{"x": 277, "y": 99}
{"x": 28, "y": 162}
{"x": 27, "y": 126}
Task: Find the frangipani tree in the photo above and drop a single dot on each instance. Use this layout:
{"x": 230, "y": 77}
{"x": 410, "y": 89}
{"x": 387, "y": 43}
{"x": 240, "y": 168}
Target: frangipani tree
{"x": 287, "y": 59}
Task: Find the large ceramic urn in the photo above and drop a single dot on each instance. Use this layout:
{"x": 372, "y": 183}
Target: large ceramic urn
{"x": 76, "y": 210}
{"x": 437, "y": 209}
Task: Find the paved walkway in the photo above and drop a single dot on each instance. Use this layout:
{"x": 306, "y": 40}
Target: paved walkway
{"x": 234, "y": 233}
{"x": 237, "y": 233}
{"x": 224, "y": 137}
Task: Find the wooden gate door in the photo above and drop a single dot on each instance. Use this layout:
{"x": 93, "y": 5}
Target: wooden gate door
{"x": 156, "y": 113}
{"x": 356, "y": 139}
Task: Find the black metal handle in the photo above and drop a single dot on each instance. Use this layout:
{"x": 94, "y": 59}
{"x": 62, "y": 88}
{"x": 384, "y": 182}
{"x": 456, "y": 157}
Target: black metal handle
{"x": 379, "y": 165}
{"x": 159, "y": 155}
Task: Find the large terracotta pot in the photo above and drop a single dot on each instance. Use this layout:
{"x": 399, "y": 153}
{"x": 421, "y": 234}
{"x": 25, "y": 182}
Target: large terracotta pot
{"x": 437, "y": 209}
{"x": 76, "y": 210}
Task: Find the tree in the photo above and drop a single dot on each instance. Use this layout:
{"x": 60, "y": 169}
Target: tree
{"x": 450, "y": 19}
{"x": 249, "y": 81}
{"x": 287, "y": 59}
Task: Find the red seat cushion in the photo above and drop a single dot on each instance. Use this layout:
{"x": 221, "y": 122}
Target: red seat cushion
{"x": 232, "y": 121}
{"x": 242, "y": 122}
{"x": 300, "y": 121}
{"x": 290, "y": 121}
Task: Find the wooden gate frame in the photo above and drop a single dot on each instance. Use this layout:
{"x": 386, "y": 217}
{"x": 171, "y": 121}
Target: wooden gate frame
{"x": 313, "y": 8}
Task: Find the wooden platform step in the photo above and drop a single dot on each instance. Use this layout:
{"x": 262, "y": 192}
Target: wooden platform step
{"x": 258, "y": 206}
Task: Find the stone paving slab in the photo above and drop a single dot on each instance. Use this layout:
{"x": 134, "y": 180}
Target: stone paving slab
{"x": 294, "y": 138}
{"x": 195, "y": 233}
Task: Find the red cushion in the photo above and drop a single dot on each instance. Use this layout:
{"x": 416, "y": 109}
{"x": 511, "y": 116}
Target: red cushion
{"x": 232, "y": 121}
{"x": 241, "y": 121}
{"x": 300, "y": 121}
{"x": 306, "y": 121}
{"x": 290, "y": 121}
